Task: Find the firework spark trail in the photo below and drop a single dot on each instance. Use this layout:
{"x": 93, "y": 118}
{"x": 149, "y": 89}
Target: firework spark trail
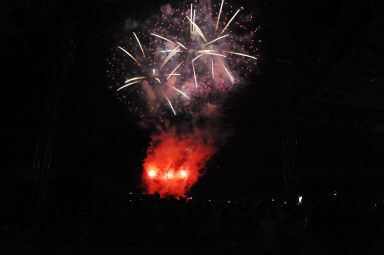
{"x": 130, "y": 55}
{"x": 218, "y": 38}
{"x": 181, "y": 92}
{"x": 229, "y": 22}
{"x": 194, "y": 74}
{"x": 218, "y": 18}
{"x": 208, "y": 53}
{"x": 134, "y": 79}
{"x": 190, "y": 24}
{"x": 198, "y": 56}
{"x": 197, "y": 28}
{"x": 174, "y": 70}
{"x": 241, "y": 54}
{"x": 204, "y": 51}
{"x": 213, "y": 70}
{"x": 215, "y": 54}
{"x": 141, "y": 48}
{"x": 167, "y": 51}
{"x": 165, "y": 39}
{"x": 229, "y": 74}
{"x": 169, "y": 101}
{"x": 129, "y": 84}
{"x": 176, "y": 74}
{"x": 173, "y": 52}
{"x": 179, "y": 43}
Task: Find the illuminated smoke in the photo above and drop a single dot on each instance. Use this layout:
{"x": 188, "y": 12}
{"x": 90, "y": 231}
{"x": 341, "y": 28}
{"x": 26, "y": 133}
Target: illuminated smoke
{"x": 174, "y": 162}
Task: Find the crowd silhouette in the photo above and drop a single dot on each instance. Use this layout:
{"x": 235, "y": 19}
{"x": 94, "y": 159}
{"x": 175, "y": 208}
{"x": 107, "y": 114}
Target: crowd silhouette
{"x": 147, "y": 224}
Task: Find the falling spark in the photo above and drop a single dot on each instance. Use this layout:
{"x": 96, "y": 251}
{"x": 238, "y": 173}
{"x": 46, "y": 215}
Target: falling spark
{"x": 169, "y": 102}
{"x": 218, "y": 18}
{"x": 158, "y": 80}
{"x": 194, "y": 74}
{"x": 215, "y": 54}
{"x": 134, "y": 79}
{"x": 204, "y": 51}
{"x": 197, "y": 29}
{"x": 229, "y": 74}
{"x": 165, "y": 39}
{"x": 218, "y": 38}
{"x": 198, "y": 56}
{"x": 129, "y": 54}
{"x": 174, "y": 70}
{"x": 241, "y": 54}
{"x": 179, "y": 43}
{"x": 190, "y": 25}
{"x": 213, "y": 71}
{"x": 173, "y": 52}
{"x": 181, "y": 92}
{"x": 166, "y": 51}
{"x": 208, "y": 53}
{"x": 141, "y": 48}
{"x": 225, "y": 28}
{"x": 129, "y": 84}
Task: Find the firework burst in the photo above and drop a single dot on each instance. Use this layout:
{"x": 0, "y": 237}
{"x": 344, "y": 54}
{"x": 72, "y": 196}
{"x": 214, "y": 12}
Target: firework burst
{"x": 156, "y": 77}
{"x": 189, "y": 52}
{"x": 208, "y": 37}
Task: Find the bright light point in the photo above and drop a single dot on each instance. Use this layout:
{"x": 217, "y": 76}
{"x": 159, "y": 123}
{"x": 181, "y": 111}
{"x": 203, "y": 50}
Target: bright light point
{"x": 183, "y": 173}
{"x": 169, "y": 175}
{"x": 152, "y": 173}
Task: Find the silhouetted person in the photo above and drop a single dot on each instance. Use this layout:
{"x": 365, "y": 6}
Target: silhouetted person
{"x": 269, "y": 230}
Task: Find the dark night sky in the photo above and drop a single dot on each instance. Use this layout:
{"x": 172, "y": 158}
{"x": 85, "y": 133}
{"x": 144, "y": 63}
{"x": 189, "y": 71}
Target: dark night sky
{"x": 98, "y": 143}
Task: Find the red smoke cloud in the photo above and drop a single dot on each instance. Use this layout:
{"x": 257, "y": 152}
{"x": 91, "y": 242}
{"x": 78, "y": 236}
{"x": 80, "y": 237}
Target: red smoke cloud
{"x": 174, "y": 162}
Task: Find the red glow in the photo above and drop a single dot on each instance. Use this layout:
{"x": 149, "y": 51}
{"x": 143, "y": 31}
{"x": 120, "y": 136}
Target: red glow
{"x": 174, "y": 162}
{"x": 183, "y": 174}
{"x": 169, "y": 175}
{"x": 151, "y": 173}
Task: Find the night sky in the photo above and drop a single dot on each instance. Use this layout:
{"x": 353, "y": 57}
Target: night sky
{"x": 307, "y": 86}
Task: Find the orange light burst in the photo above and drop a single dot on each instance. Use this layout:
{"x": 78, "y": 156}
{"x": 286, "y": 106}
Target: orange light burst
{"x": 178, "y": 162}
{"x": 183, "y": 174}
{"x": 151, "y": 173}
